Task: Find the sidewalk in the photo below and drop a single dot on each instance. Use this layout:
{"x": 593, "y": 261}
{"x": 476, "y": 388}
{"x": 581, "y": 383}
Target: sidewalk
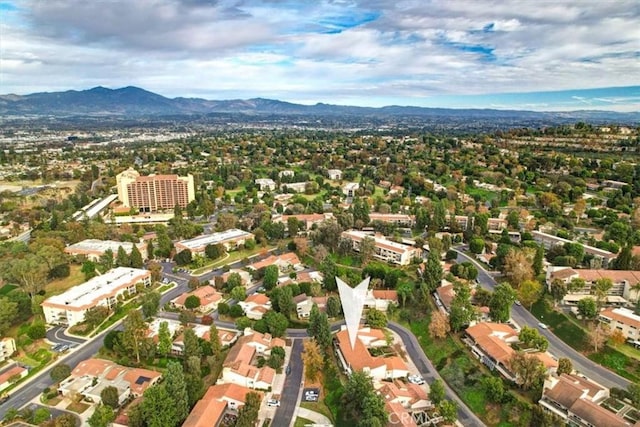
{"x": 310, "y": 415}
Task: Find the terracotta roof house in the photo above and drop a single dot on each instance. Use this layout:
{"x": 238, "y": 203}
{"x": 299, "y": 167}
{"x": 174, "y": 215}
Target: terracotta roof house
{"x": 576, "y": 399}
{"x": 91, "y": 376}
{"x": 285, "y": 262}
{"x": 209, "y": 298}
{"x": 255, "y": 306}
{"x": 10, "y": 372}
{"x": 218, "y": 399}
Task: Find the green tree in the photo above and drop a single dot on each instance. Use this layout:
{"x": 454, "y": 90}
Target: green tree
{"x": 60, "y": 372}
{"x": 214, "y": 251}
{"x": 361, "y": 404}
{"x": 158, "y": 408}
{"x": 532, "y": 338}
{"x": 529, "y": 292}
{"x": 40, "y": 415}
{"x": 448, "y": 409}
{"x": 174, "y": 382}
{"x": 476, "y": 245}
{"x": 150, "y": 250}
{"x": 106, "y": 260}
{"x": 164, "y": 339}
{"x": 270, "y": 279}
{"x": 558, "y": 290}
{"x": 405, "y": 291}
{"x": 239, "y": 293}
{"x": 193, "y": 283}
{"x": 634, "y": 393}
{"x": 334, "y": 308}
{"x": 376, "y": 319}
{"x": 493, "y": 388}
{"x": 248, "y": 414}
{"x": 150, "y": 303}
{"x": 8, "y": 314}
{"x": 233, "y": 281}
{"x": 192, "y": 302}
{"x": 96, "y": 315}
{"x": 133, "y": 337}
{"x": 432, "y": 275}
{"x": 184, "y": 257}
{"x": 564, "y": 366}
{"x": 313, "y": 359}
{"x": 191, "y": 344}
{"x": 461, "y": 312}
{"x": 103, "y": 416}
{"x": 277, "y": 323}
{"x": 436, "y": 391}
{"x": 136, "y": 258}
{"x": 285, "y": 302}
{"x": 588, "y": 308}
{"x": 109, "y": 396}
{"x": 37, "y": 330}
{"x": 538, "y": 260}
{"x": 501, "y": 301}
{"x": 88, "y": 269}
{"x": 529, "y": 370}
{"x": 30, "y": 272}
{"x": 135, "y": 415}
{"x": 65, "y": 420}
{"x": 276, "y": 358}
{"x": 319, "y": 328}
{"x": 122, "y": 259}
{"x": 601, "y": 290}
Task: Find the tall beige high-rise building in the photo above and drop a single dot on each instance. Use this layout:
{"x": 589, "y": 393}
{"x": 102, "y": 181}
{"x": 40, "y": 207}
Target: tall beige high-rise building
{"x": 154, "y": 192}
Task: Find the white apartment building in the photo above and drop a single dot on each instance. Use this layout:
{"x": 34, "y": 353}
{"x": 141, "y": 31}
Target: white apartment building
{"x": 7, "y": 348}
{"x": 334, "y": 174}
{"x": 93, "y": 249}
{"x": 549, "y": 240}
{"x": 265, "y": 184}
{"x": 230, "y": 239}
{"x": 401, "y": 220}
{"x": 350, "y": 188}
{"x": 386, "y": 250}
{"x": 69, "y": 307}
{"x": 623, "y": 320}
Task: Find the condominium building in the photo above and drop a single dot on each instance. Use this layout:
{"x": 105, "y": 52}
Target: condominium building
{"x": 154, "y": 192}
{"x": 69, "y": 307}
{"x": 385, "y": 250}
{"x": 549, "y": 240}
{"x": 93, "y": 249}
{"x": 7, "y": 348}
{"x": 401, "y": 220}
{"x": 623, "y": 320}
{"x": 230, "y": 239}
{"x": 624, "y": 283}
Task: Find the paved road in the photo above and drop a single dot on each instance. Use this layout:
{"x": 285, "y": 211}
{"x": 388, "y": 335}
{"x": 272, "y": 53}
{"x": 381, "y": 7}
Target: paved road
{"x": 429, "y": 373}
{"x": 31, "y": 389}
{"x": 57, "y": 335}
{"x": 557, "y": 347}
{"x": 291, "y": 390}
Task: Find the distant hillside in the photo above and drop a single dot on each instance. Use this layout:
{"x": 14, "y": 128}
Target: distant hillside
{"x": 136, "y": 102}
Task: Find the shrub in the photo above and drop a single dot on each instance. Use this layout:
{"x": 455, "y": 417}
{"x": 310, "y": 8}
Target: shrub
{"x": 37, "y": 330}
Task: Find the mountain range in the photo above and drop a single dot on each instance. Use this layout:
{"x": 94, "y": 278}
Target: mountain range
{"x": 132, "y": 101}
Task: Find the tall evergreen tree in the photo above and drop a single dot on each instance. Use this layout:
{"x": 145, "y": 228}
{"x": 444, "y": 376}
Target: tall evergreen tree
{"x": 174, "y": 381}
{"x": 135, "y": 260}
{"x": 122, "y": 260}
{"x": 164, "y": 339}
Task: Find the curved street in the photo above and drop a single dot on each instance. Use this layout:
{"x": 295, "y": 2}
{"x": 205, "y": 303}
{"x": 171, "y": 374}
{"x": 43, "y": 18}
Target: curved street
{"x": 557, "y": 347}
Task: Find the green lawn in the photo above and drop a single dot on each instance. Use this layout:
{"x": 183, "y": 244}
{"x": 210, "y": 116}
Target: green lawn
{"x": 560, "y": 325}
{"x": 6, "y": 289}
{"x": 301, "y": 422}
{"x": 483, "y": 194}
{"x": 619, "y": 363}
{"x": 230, "y": 258}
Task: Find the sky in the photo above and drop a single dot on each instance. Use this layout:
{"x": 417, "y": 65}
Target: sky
{"x": 506, "y": 54}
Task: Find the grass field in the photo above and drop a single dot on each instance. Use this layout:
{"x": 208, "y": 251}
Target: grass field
{"x": 301, "y": 422}
{"x": 58, "y": 286}
{"x": 6, "y": 289}
{"x": 560, "y": 325}
{"x": 621, "y": 364}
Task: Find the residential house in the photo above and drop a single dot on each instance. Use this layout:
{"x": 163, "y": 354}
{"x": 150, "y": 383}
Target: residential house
{"x": 334, "y": 174}
{"x": 304, "y": 306}
{"x": 358, "y": 358}
{"x": 295, "y": 187}
{"x": 91, "y": 376}
{"x": 265, "y": 184}
{"x": 208, "y": 296}
{"x": 350, "y": 189}
{"x": 549, "y": 240}
{"x": 576, "y": 400}
{"x": 380, "y": 299}
{"x": 287, "y": 173}
{"x": 408, "y": 395}
{"x": 386, "y": 250}
{"x": 309, "y": 220}
{"x": 218, "y": 400}
{"x": 245, "y": 276}
{"x": 490, "y": 342}
{"x": 255, "y": 306}
{"x": 285, "y": 262}
{"x": 70, "y": 306}
{"x": 10, "y": 374}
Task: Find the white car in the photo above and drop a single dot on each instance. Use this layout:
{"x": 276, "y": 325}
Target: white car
{"x": 542, "y": 325}
{"x": 273, "y": 402}
{"x": 415, "y": 379}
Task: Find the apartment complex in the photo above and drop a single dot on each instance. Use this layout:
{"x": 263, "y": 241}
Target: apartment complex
{"x": 69, "y": 307}
{"x": 93, "y": 249}
{"x": 624, "y": 283}
{"x": 386, "y": 250}
{"x": 401, "y": 220}
{"x": 549, "y": 240}
{"x": 230, "y": 239}
{"x": 7, "y": 348}
{"x": 308, "y": 219}
{"x": 154, "y": 192}
{"x": 623, "y": 320}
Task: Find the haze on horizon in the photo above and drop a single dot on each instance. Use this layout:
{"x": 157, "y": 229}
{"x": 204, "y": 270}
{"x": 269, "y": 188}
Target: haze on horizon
{"x": 532, "y": 55}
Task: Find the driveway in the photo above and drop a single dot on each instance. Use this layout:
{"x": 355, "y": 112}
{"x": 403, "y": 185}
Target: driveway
{"x": 57, "y": 335}
{"x": 289, "y": 398}
{"x": 557, "y": 347}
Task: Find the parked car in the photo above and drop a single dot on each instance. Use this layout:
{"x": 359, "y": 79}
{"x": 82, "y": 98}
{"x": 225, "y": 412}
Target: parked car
{"x": 542, "y": 325}
{"x": 415, "y": 379}
{"x": 288, "y": 370}
{"x": 4, "y": 398}
{"x": 518, "y": 302}
{"x": 273, "y": 402}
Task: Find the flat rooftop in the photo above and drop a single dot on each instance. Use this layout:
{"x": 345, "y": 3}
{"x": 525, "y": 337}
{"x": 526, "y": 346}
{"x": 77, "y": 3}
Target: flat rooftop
{"x": 94, "y": 245}
{"x": 98, "y": 287}
{"x": 214, "y": 238}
